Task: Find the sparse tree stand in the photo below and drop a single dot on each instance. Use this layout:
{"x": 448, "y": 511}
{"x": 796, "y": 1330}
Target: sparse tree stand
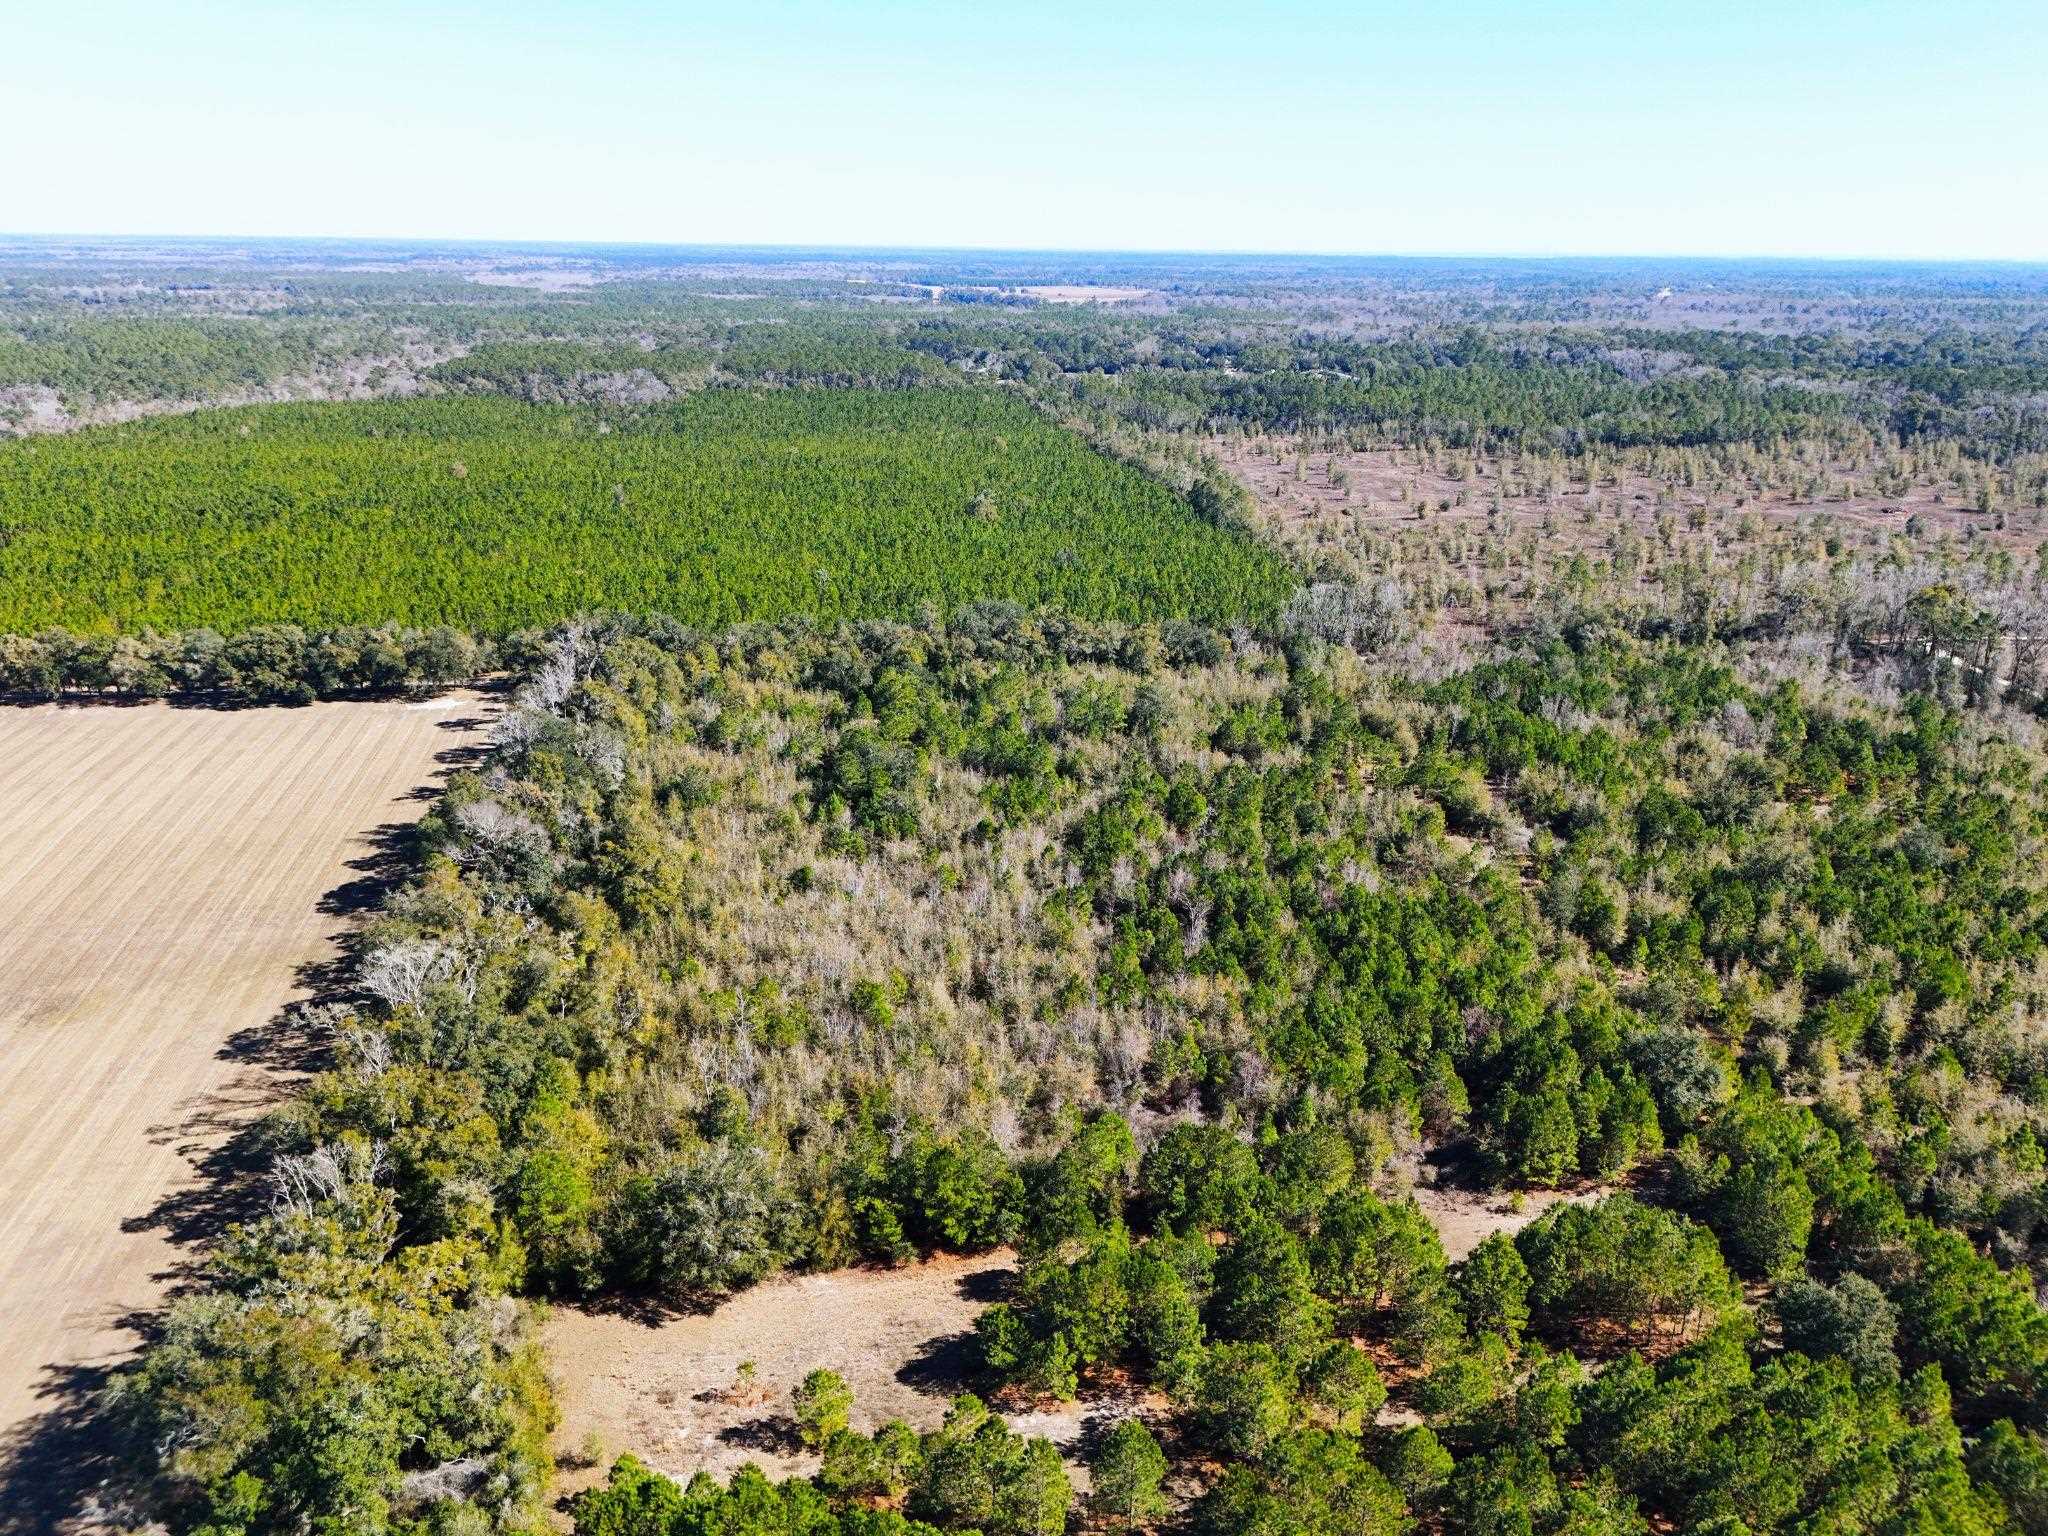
{"x": 1127, "y": 1471}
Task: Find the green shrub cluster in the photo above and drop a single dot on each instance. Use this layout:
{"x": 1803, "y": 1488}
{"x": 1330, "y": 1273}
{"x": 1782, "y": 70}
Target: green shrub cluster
{"x": 265, "y": 664}
{"x": 973, "y": 1473}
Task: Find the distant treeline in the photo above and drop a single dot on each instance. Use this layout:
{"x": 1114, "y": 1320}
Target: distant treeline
{"x": 1466, "y": 377}
{"x": 285, "y": 664}
{"x": 1566, "y": 391}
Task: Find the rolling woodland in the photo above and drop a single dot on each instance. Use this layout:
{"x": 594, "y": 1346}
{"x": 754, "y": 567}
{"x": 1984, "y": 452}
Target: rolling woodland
{"x": 1152, "y": 787}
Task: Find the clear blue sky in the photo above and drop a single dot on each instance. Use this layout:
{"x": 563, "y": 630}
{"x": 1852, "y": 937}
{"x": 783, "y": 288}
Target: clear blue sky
{"x": 1802, "y": 127}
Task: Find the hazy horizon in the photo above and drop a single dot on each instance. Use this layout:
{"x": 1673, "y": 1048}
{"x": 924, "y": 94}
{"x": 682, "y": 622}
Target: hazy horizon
{"x": 1873, "y": 130}
{"x": 486, "y": 244}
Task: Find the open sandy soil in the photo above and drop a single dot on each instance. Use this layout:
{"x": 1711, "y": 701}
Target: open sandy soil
{"x": 1078, "y": 293}
{"x": 173, "y": 878}
{"x": 668, "y": 1388}
{"x": 1465, "y": 1218}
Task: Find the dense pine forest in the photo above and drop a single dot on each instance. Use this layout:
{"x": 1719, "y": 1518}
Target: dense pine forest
{"x": 491, "y": 515}
{"x": 1174, "y": 792}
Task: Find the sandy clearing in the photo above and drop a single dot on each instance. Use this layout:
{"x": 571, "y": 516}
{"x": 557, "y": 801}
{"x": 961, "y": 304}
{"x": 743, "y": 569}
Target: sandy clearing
{"x": 1466, "y": 1218}
{"x": 663, "y": 1387}
{"x": 1077, "y": 293}
{"x": 668, "y": 1388}
{"x": 172, "y": 879}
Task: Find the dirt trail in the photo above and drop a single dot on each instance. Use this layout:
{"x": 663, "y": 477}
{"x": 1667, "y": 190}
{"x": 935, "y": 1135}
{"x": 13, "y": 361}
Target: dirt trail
{"x": 172, "y": 879}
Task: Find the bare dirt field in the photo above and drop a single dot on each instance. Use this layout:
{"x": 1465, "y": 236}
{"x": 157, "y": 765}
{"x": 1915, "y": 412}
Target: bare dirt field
{"x": 1079, "y": 293}
{"x": 173, "y": 879}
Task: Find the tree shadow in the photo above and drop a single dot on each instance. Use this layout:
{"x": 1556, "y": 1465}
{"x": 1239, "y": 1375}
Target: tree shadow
{"x": 222, "y": 701}
{"x": 473, "y": 750}
{"x": 987, "y": 1286}
{"x": 773, "y": 1434}
{"x": 65, "y": 1467}
{"x": 228, "y": 1141}
{"x": 647, "y": 1309}
{"x": 944, "y": 1366}
{"x": 393, "y": 847}
{"x": 1456, "y": 1165}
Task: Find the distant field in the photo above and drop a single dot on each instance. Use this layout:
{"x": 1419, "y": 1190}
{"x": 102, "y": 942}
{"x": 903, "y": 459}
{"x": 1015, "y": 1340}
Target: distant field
{"x": 164, "y": 884}
{"x": 492, "y": 514}
{"x": 1079, "y": 293}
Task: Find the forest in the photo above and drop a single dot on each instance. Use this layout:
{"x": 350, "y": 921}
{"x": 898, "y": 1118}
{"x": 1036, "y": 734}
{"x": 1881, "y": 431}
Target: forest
{"x": 1502, "y": 355}
{"x": 490, "y": 515}
{"x": 1157, "y": 955}
{"x": 1163, "y": 771}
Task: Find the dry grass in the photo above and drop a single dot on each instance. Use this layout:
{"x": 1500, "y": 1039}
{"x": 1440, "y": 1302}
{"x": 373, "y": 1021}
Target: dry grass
{"x": 173, "y": 878}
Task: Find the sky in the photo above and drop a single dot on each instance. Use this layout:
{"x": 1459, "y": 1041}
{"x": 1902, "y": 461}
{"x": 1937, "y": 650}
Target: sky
{"x": 1877, "y": 128}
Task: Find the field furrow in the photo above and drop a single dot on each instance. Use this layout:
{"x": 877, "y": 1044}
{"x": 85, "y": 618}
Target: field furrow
{"x": 161, "y": 901}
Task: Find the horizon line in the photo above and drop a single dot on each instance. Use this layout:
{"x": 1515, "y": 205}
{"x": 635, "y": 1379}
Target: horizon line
{"x": 593, "y": 245}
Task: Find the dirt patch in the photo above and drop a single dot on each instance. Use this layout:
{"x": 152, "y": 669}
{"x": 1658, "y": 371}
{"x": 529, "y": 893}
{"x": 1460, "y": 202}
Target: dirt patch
{"x": 1465, "y": 1218}
{"x": 1464, "y": 1212}
{"x": 1077, "y": 293}
{"x": 173, "y": 878}
{"x": 670, "y": 1389}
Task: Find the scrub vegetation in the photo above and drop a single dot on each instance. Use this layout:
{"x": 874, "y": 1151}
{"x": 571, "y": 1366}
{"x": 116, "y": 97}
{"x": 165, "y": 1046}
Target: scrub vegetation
{"x": 1154, "y": 955}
